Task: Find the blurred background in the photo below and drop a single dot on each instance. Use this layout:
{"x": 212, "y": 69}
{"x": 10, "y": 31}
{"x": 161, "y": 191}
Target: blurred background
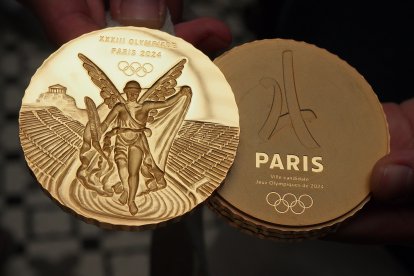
{"x": 38, "y": 238}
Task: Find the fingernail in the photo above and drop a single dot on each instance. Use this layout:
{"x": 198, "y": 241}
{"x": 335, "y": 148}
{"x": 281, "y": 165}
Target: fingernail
{"x": 397, "y": 181}
{"x": 141, "y": 13}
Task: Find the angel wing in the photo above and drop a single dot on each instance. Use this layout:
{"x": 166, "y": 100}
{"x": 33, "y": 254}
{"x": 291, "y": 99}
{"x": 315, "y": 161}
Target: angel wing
{"x": 94, "y": 125}
{"x": 165, "y": 85}
{"x": 108, "y": 92}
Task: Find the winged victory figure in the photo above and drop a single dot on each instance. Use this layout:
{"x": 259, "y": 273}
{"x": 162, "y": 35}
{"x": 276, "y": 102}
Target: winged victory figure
{"x": 126, "y": 152}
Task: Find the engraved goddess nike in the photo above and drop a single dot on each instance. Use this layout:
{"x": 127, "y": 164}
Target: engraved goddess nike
{"x": 127, "y": 121}
{"x": 129, "y": 141}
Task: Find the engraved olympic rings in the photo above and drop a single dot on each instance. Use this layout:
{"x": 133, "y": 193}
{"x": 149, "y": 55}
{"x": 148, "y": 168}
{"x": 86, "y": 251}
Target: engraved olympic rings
{"x": 289, "y": 201}
{"x": 135, "y": 68}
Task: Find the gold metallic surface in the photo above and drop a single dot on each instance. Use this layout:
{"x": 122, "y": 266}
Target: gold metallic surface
{"x": 311, "y": 131}
{"x": 129, "y": 127}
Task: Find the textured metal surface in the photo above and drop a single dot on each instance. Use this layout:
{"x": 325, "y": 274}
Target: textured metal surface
{"x": 37, "y": 238}
{"x": 135, "y": 158}
{"x": 312, "y": 129}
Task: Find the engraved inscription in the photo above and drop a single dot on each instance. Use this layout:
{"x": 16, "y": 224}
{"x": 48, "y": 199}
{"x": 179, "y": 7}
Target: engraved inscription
{"x": 133, "y": 46}
{"x": 135, "y": 52}
{"x": 152, "y": 54}
{"x": 137, "y": 42}
{"x": 123, "y": 52}
{"x": 299, "y": 182}
{"x": 152, "y": 43}
{"x": 290, "y": 162}
{"x": 112, "y": 39}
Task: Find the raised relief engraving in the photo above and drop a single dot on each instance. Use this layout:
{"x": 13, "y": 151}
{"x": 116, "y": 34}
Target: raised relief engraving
{"x": 290, "y": 162}
{"x": 128, "y": 122}
{"x": 135, "y": 68}
{"x": 289, "y": 202}
{"x": 295, "y": 116}
{"x": 134, "y": 155}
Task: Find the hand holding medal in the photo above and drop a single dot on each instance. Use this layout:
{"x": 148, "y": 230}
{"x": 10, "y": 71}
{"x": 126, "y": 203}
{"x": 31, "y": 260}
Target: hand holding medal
{"x": 66, "y": 20}
{"x": 386, "y": 182}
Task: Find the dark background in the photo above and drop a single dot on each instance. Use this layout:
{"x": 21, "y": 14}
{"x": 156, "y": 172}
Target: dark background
{"x": 38, "y": 238}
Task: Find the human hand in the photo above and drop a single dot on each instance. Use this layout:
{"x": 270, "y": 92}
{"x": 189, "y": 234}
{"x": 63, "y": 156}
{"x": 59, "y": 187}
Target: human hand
{"x": 65, "y": 20}
{"x": 389, "y": 216}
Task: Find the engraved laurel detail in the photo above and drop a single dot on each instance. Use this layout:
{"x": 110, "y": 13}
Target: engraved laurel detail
{"x": 289, "y": 202}
{"x": 135, "y": 68}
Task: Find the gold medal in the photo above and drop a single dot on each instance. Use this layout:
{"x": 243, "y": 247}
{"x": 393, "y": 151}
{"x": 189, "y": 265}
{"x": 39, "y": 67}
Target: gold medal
{"x": 311, "y": 131}
{"x": 129, "y": 127}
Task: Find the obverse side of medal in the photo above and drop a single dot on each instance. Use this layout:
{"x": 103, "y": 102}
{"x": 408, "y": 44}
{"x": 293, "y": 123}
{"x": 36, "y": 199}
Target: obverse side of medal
{"x": 311, "y": 131}
{"x": 129, "y": 127}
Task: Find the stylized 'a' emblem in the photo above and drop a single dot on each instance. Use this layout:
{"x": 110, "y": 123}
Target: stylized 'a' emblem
{"x": 295, "y": 115}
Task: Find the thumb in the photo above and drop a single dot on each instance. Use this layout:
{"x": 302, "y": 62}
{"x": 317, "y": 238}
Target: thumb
{"x": 143, "y": 13}
{"x": 393, "y": 177}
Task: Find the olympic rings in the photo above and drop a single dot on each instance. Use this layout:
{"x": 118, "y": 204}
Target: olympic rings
{"x": 135, "y": 68}
{"x": 289, "y": 202}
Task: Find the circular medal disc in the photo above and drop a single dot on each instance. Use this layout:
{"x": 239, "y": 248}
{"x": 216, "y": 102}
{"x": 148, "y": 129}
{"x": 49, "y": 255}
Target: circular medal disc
{"x": 129, "y": 127}
{"x": 311, "y": 132}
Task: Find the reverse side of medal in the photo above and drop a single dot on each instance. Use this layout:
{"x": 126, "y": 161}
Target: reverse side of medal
{"x": 129, "y": 127}
{"x": 311, "y": 131}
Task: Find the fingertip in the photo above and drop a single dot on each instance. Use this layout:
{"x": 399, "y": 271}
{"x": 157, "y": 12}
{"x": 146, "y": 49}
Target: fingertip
{"x": 392, "y": 181}
{"x": 400, "y": 128}
{"x": 142, "y": 13}
{"x": 64, "y": 21}
{"x": 175, "y": 7}
{"x": 79, "y": 26}
{"x": 212, "y": 44}
{"x": 97, "y": 12}
{"x": 377, "y": 224}
{"x": 207, "y": 34}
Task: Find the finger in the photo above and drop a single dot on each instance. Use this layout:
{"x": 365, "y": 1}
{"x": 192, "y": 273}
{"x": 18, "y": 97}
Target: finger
{"x": 400, "y": 128}
{"x": 176, "y": 9}
{"x": 65, "y": 20}
{"x": 97, "y": 11}
{"x": 143, "y": 13}
{"x": 207, "y": 34}
{"x": 407, "y": 108}
{"x": 378, "y": 224}
{"x": 393, "y": 177}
